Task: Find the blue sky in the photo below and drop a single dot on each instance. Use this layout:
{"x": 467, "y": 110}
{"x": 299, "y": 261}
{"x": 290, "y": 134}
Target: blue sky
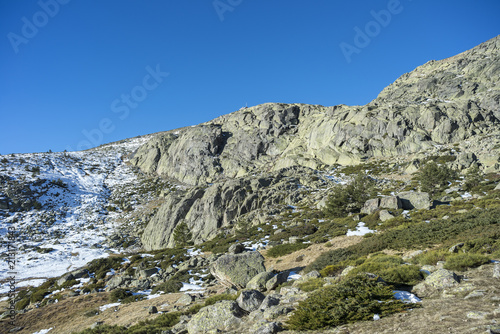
{"x": 76, "y": 73}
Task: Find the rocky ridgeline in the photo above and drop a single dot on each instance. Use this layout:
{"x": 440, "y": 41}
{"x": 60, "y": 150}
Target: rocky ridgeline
{"x": 234, "y": 164}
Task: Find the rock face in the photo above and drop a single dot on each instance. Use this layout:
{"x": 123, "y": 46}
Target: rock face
{"x": 206, "y": 210}
{"x": 225, "y": 315}
{"x": 238, "y": 269}
{"x": 440, "y": 102}
{"x": 454, "y": 100}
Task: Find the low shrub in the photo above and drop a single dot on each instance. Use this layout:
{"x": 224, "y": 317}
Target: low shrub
{"x": 311, "y": 284}
{"x": 332, "y": 270}
{"x": 214, "y": 299}
{"x": 354, "y": 299}
{"x": 118, "y": 295}
{"x": 100, "y": 267}
{"x": 460, "y": 262}
{"x": 391, "y": 269}
{"x": 170, "y": 286}
{"x": 463, "y": 227}
{"x": 38, "y": 295}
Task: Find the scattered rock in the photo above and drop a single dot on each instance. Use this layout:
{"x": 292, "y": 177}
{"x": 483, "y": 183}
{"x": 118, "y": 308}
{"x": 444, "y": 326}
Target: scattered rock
{"x": 144, "y": 273}
{"x": 238, "y": 269}
{"x": 269, "y": 328}
{"x": 371, "y": 206}
{"x": 496, "y": 270}
{"x": 185, "y": 299}
{"x": 80, "y": 273}
{"x": 236, "y": 249}
{"x": 225, "y": 315}
{"x": 276, "y": 280}
{"x": 456, "y": 248}
{"x": 250, "y": 300}
{"x": 65, "y": 278}
{"x": 479, "y": 315}
{"x": 258, "y": 282}
{"x": 270, "y": 300}
{"x": 390, "y": 202}
{"x": 414, "y": 200}
{"x": 385, "y": 215}
{"x": 438, "y": 280}
{"x": 152, "y": 310}
{"x": 475, "y": 294}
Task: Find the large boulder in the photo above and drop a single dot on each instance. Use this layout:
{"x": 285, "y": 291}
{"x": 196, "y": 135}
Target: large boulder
{"x": 250, "y": 300}
{"x": 371, "y": 206}
{"x": 223, "y": 316}
{"x": 414, "y": 200}
{"x": 238, "y": 269}
{"x": 435, "y": 282}
{"x": 258, "y": 282}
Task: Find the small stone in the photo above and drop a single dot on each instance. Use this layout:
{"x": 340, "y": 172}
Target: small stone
{"x": 496, "y": 270}
{"x": 475, "y": 294}
{"x": 185, "y": 299}
{"x": 152, "y": 310}
{"x": 478, "y": 315}
{"x": 97, "y": 324}
{"x": 456, "y": 248}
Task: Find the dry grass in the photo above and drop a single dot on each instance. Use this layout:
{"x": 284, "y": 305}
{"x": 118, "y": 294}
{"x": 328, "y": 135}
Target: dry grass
{"x": 68, "y": 315}
{"x": 309, "y": 254}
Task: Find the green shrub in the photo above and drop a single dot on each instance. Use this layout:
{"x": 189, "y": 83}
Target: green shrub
{"x": 391, "y": 269}
{"x": 21, "y": 304}
{"x": 332, "y": 270}
{"x": 460, "y": 262}
{"x": 344, "y": 199}
{"x": 311, "y": 284}
{"x": 38, "y": 295}
{"x": 118, "y": 295}
{"x": 431, "y": 257}
{"x": 358, "y": 298}
{"x": 100, "y": 267}
{"x": 69, "y": 283}
{"x": 472, "y": 178}
{"x": 182, "y": 234}
{"x": 170, "y": 286}
{"x": 104, "y": 329}
{"x": 92, "y": 313}
{"x": 216, "y": 298}
{"x": 433, "y": 178}
{"x": 463, "y": 227}
{"x": 284, "y": 249}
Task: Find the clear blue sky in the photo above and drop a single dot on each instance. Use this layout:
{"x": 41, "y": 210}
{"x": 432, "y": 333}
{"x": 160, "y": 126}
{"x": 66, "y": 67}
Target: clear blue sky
{"x": 70, "y": 68}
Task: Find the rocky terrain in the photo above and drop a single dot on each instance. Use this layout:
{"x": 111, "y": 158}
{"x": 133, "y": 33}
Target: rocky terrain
{"x": 245, "y": 223}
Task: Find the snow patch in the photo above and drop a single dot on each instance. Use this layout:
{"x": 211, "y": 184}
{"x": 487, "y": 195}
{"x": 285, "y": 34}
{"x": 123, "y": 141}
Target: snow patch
{"x": 361, "y": 229}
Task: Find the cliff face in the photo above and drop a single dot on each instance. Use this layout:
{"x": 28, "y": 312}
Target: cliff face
{"x": 455, "y": 100}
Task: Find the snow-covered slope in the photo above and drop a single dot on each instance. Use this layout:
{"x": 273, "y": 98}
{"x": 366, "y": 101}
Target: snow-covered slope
{"x": 59, "y": 207}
